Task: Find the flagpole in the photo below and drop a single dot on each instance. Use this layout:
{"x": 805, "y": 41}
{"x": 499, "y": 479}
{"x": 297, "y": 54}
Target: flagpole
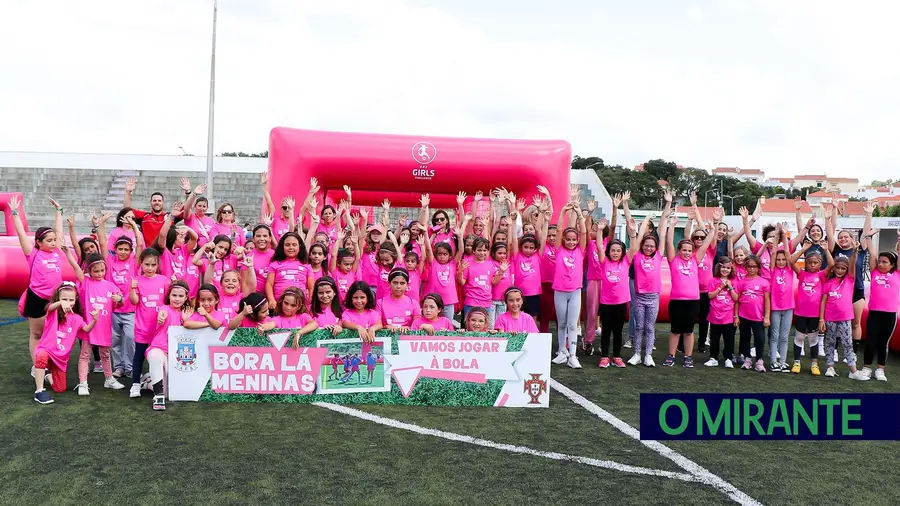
{"x": 212, "y": 100}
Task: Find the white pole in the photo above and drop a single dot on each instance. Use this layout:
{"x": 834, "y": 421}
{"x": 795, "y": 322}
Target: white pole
{"x": 212, "y": 100}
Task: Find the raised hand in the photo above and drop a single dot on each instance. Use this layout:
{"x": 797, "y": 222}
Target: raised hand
{"x": 348, "y": 192}
{"x": 187, "y": 312}
{"x": 504, "y": 266}
{"x": 263, "y": 178}
{"x": 134, "y": 284}
{"x": 744, "y": 212}
{"x": 869, "y": 208}
{"x": 177, "y": 208}
{"x": 592, "y": 205}
{"x": 693, "y": 198}
{"x": 95, "y": 221}
{"x": 161, "y": 317}
{"x": 247, "y": 310}
{"x": 70, "y": 220}
{"x": 55, "y": 204}
{"x": 543, "y": 190}
{"x": 14, "y": 203}
{"x": 617, "y": 200}
{"x": 461, "y": 198}
{"x": 798, "y": 203}
{"x": 290, "y": 203}
{"x": 185, "y": 185}
{"x": 477, "y": 197}
{"x": 827, "y": 211}
{"x": 386, "y": 205}
{"x": 626, "y": 196}
{"x": 718, "y": 213}
{"x": 668, "y": 195}
{"x": 130, "y": 185}
{"x": 520, "y": 205}
{"x": 632, "y": 226}
{"x": 402, "y": 219}
{"x": 425, "y": 200}
{"x": 313, "y": 186}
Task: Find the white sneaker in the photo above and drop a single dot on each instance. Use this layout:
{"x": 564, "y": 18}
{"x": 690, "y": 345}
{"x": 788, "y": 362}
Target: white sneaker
{"x": 835, "y": 356}
{"x": 635, "y": 359}
{"x": 858, "y": 375}
{"x": 82, "y": 388}
{"x": 729, "y": 364}
{"x": 627, "y": 344}
{"x": 573, "y": 362}
{"x": 561, "y": 357}
{"x": 753, "y": 351}
{"x": 821, "y": 351}
{"x": 866, "y": 371}
{"x": 135, "y": 390}
{"x": 112, "y": 383}
{"x": 830, "y": 372}
{"x": 648, "y": 361}
{"x": 879, "y": 374}
{"x": 711, "y": 363}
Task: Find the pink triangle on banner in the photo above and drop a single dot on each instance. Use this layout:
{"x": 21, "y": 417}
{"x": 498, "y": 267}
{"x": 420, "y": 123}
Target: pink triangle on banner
{"x": 406, "y": 378}
{"x": 279, "y": 339}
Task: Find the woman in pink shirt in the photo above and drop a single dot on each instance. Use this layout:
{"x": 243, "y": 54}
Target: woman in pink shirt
{"x": 568, "y": 277}
{"x": 884, "y": 298}
{"x": 684, "y": 298}
{"x": 515, "y": 319}
{"x": 398, "y": 309}
{"x": 63, "y": 322}
{"x": 810, "y": 281}
{"x": 647, "y": 263}
{"x": 836, "y": 313}
{"x": 781, "y": 278}
{"x": 754, "y": 310}
{"x": 615, "y": 261}
{"x": 432, "y": 320}
{"x": 226, "y": 224}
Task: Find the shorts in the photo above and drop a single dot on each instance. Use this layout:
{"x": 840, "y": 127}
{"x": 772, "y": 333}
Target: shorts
{"x": 35, "y": 307}
{"x": 806, "y": 324}
{"x": 683, "y": 315}
{"x": 858, "y": 294}
{"x": 531, "y": 304}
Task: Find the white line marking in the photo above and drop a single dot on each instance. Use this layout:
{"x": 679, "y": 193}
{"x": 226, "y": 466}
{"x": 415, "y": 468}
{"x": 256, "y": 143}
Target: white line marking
{"x": 451, "y": 436}
{"x": 700, "y": 473}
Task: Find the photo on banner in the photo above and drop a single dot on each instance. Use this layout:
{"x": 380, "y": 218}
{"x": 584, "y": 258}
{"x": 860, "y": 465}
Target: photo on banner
{"x": 353, "y": 366}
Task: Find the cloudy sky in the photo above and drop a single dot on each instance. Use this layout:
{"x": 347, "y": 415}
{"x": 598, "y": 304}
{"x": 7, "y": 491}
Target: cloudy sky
{"x": 787, "y": 86}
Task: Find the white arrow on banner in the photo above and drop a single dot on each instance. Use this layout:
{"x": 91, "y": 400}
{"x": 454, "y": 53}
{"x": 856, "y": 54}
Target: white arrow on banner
{"x": 279, "y": 339}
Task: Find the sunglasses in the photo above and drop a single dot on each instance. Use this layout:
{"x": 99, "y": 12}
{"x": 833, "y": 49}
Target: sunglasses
{"x": 698, "y": 237}
{"x": 440, "y": 219}
{"x": 284, "y": 208}
{"x": 227, "y": 211}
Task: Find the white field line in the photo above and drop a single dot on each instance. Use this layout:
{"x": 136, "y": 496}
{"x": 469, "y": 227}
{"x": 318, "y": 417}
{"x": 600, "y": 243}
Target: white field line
{"x": 451, "y": 436}
{"x": 701, "y": 474}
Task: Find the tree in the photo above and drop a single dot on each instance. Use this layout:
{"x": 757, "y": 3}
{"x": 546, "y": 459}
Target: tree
{"x": 645, "y": 189}
{"x": 892, "y": 212}
{"x": 241, "y": 154}
{"x": 579, "y": 163}
{"x": 661, "y": 169}
{"x": 877, "y": 212}
{"x": 882, "y": 183}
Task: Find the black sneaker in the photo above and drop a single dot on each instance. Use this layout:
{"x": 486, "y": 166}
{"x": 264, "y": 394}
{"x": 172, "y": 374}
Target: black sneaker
{"x": 689, "y": 362}
{"x": 670, "y": 361}
{"x": 587, "y": 349}
{"x": 43, "y": 397}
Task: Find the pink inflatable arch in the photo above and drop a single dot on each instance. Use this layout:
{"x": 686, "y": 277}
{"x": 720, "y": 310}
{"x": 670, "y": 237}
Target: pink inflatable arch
{"x": 401, "y": 167}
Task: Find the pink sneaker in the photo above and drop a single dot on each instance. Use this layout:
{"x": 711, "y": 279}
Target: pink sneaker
{"x": 760, "y": 366}
{"x": 618, "y": 362}
{"x": 604, "y": 363}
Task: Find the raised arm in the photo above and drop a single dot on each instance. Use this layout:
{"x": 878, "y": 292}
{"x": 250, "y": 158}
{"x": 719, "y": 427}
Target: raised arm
{"x": 129, "y": 189}
{"x": 79, "y": 274}
{"x": 697, "y": 215}
{"x": 614, "y": 219}
{"x": 70, "y": 221}
{"x": 830, "y": 224}
{"x": 101, "y": 232}
{"x": 796, "y": 256}
{"x": 57, "y": 220}
{"x": 268, "y": 205}
{"x": 664, "y": 220}
{"x": 852, "y": 271}
{"x": 582, "y": 228}
{"x": 461, "y": 239}
{"x": 747, "y": 232}
{"x": 718, "y": 213}
{"x": 460, "y": 211}
{"x": 138, "y": 238}
{"x": 561, "y": 225}
{"x": 670, "y": 239}
{"x": 24, "y": 242}
{"x": 633, "y": 234}
{"x": 601, "y": 251}
{"x": 313, "y": 224}
{"x": 248, "y": 277}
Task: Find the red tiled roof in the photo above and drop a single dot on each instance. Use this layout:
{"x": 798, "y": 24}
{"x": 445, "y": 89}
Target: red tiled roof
{"x": 726, "y": 170}
{"x": 639, "y": 167}
{"x": 852, "y": 208}
{"x": 705, "y": 212}
{"x": 821, "y": 193}
{"x": 784, "y": 206}
{"x": 663, "y": 182}
{"x": 783, "y": 179}
{"x": 751, "y": 171}
{"x": 843, "y": 179}
{"x": 882, "y": 189}
{"x": 823, "y": 176}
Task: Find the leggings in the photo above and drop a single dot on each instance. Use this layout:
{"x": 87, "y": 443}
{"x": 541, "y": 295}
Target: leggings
{"x": 839, "y": 333}
{"x": 779, "y": 331}
{"x": 548, "y": 306}
{"x": 703, "y": 319}
{"x": 158, "y": 370}
{"x": 42, "y": 361}
{"x": 592, "y": 307}
{"x": 759, "y": 337}
{"x": 568, "y": 307}
{"x": 613, "y": 316}
{"x": 879, "y": 328}
{"x": 725, "y": 331}
{"x": 137, "y": 362}
{"x": 644, "y": 310}
{"x": 632, "y": 327}
{"x": 84, "y": 360}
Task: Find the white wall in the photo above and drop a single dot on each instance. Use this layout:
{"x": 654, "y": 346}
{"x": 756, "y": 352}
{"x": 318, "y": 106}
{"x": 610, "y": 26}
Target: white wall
{"x": 108, "y": 161}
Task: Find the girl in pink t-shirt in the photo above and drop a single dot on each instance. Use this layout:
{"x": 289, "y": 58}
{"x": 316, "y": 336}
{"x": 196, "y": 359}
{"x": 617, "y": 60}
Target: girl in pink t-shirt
{"x": 547, "y": 306}
{"x": 361, "y": 315}
{"x": 599, "y": 240}
{"x": 207, "y": 313}
{"x": 103, "y": 297}
{"x": 526, "y": 267}
{"x": 432, "y": 320}
{"x": 615, "y": 260}
{"x": 121, "y": 267}
{"x": 478, "y": 277}
{"x": 326, "y": 306}
{"x": 288, "y": 268}
{"x": 514, "y": 319}
{"x": 568, "y": 277}
{"x": 500, "y": 258}
{"x": 343, "y": 263}
{"x": 215, "y": 258}
{"x": 884, "y": 298}
{"x": 254, "y": 313}
{"x": 477, "y": 320}
{"x": 810, "y": 281}
{"x": 386, "y": 261}
{"x": 740, "y": 255}
{"x": 177, "y": 309}
{"x": 292, "y": 312}
{"x": 754, "y": 310}
{"x": 147, "y": 293}
{"x": 318, "y": 261}
{"x": 647, "y": 265}
{"x": 52, "y": 351}
{"x": 781, "y": 278}
{"x": 723, "y": 319}
{"x": 442, "y": 265}
{"x": 415, "y": 267}
{"x": 177, "y": 245}
{"x": 836, "y": 313}
{"x": 261, "y": 255}
{"x": 398, "y": 309}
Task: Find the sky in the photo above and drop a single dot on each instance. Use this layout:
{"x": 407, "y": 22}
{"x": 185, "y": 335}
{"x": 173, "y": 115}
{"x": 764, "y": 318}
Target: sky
{"x": 789, "y": 87}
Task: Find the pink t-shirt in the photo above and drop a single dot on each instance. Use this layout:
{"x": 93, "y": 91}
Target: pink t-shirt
{"x": 740, "y": 272}
{"x": 442, "y": 281}
{"x": 568, "y": 274}
{"x": 527, "y": 273}
{"x": 884, "y": 291}
{"x": 839, "y": 299}
{"x": 57, "y": 340}
{"x": 782, "y": 281}
{"x": 369, "y": 268}
{"x": 751, "y": 298}
{"x": 366, "y": 319}
{"x": 330, "y": 230}
{"x": 647, "y": 273}
{"x": 316, "y": 274}
{"x": 298, "y": 321}
{"x": 219, "y": 267}
{"x": 414, "y": 288}
{"x": 232, "y": 230}
{"x": 280, "y": 226}
{"x": 288, "y": 273}
{"x": 98, "y": 295}
{"x": 382, "y": 285}
{"x": 721, "y": 308}
{"x": 685, "y": 281}
{"x": 114, "y": 236}
{"x": 765, "y": 260}
{"x": 343, "y": 281}
{"x": 479, "y": 283}
{"x": 705, "y": 268}
{"x": 507, "y": 323}
{"x": 151, "y": 294}
{"x": 180, "y": 264}
{"x": 201, "y": 224}
{"x": 548, "y": 264}
{"x": 441, "y": 324}
{"x": 160, "y": 338}
{"x": 326, "y": 317}
{"x": 215, "y": 315}
{"x": 398, "y": 312}
{"x": 614, "y": 285}
{"x": 499, "y": 290}
{"x": 261, "y": 261}
{"x": 46, "y": 271}
{"x": 121, "y": 273}
{"x": 594, "y": 272}
{"x": 809, "y": 293}
{"x": 229, "y": 305}
{"x": 250, "y": 323}
{"x": 445, "y": 237}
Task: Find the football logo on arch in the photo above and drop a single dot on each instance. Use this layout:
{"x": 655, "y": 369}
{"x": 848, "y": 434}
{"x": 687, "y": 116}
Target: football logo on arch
{"x": 423, "y": 153}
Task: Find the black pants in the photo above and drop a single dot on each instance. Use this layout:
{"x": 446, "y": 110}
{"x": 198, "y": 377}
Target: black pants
{"x": 879, "y": 327}
{"x": 703, "y": 320}
{"x": 725, "y": 331}
{"x": 531, "y": 304}
{"x": 759, "y": 337}
{"x": 137, "y": 362}
{"x": 613, "y": 318}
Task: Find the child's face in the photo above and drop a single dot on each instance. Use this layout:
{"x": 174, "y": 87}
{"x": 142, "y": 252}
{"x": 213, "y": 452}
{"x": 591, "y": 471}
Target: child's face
{"x": 815, "y": 233}
{"x": 150, "y": 265}
{"x": 481, "y": 253}
{"x": 262, "y": 239}
{"x": 360, "y": 300}
{"x": 89, "y": 248}
{"x": 615, "y": 252}
{"x": 648, "y": 247}
{"x": 411, "y": 263}
{"x": 840, "y": 269}
{"x": 398, "y": 286}
{"x": 686, "y": 251}
{"x": 262, "y": 312}
{"x": 514, "y": 302}
{"x": 222, "y": 249}
{"x": 752, "y": 268}
{"x": 328, "y": 215}
{"x": 48, "y": 243}
{"x": 570, "y": 240}
{"x": 316, "y": 256}
{"x": 528, "y": 228}
{"x": 501, "y": 237}
{"x": 321, "y": 237}
{"x": 504, "y": 224}
{"x": 740, "y": 256}
{"x": 780, "y": 260}
{"x": 469, "y": 243}
{"x": 443, "y": 256}
{"x": 476, "y": 323}
{"x": 478, "y": 226}
{"x": 429, "y": 309}
{"x": 230, "y": 282}
{"x": 884, "y": 265}
{"x": 500, "y": 255}
{"x": 385, "y": 259}
{"x": 290, "y": 305}
{"x": 67, "y": 295}
{"x": 325, "y": 294}
{"x": 177, "y": 297}
{"x": 291, "y": 247}
{"x": 207, "y": 301}
{"x": 98, "y": 271}
{"x": 528, "y": 249}
{"x": 551, "y": 234}
{"x": 346, "y": 264}
{"x": 725, "y": 269}
{"x": 813, "y": 263}
{"x": 123, "y": 251}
